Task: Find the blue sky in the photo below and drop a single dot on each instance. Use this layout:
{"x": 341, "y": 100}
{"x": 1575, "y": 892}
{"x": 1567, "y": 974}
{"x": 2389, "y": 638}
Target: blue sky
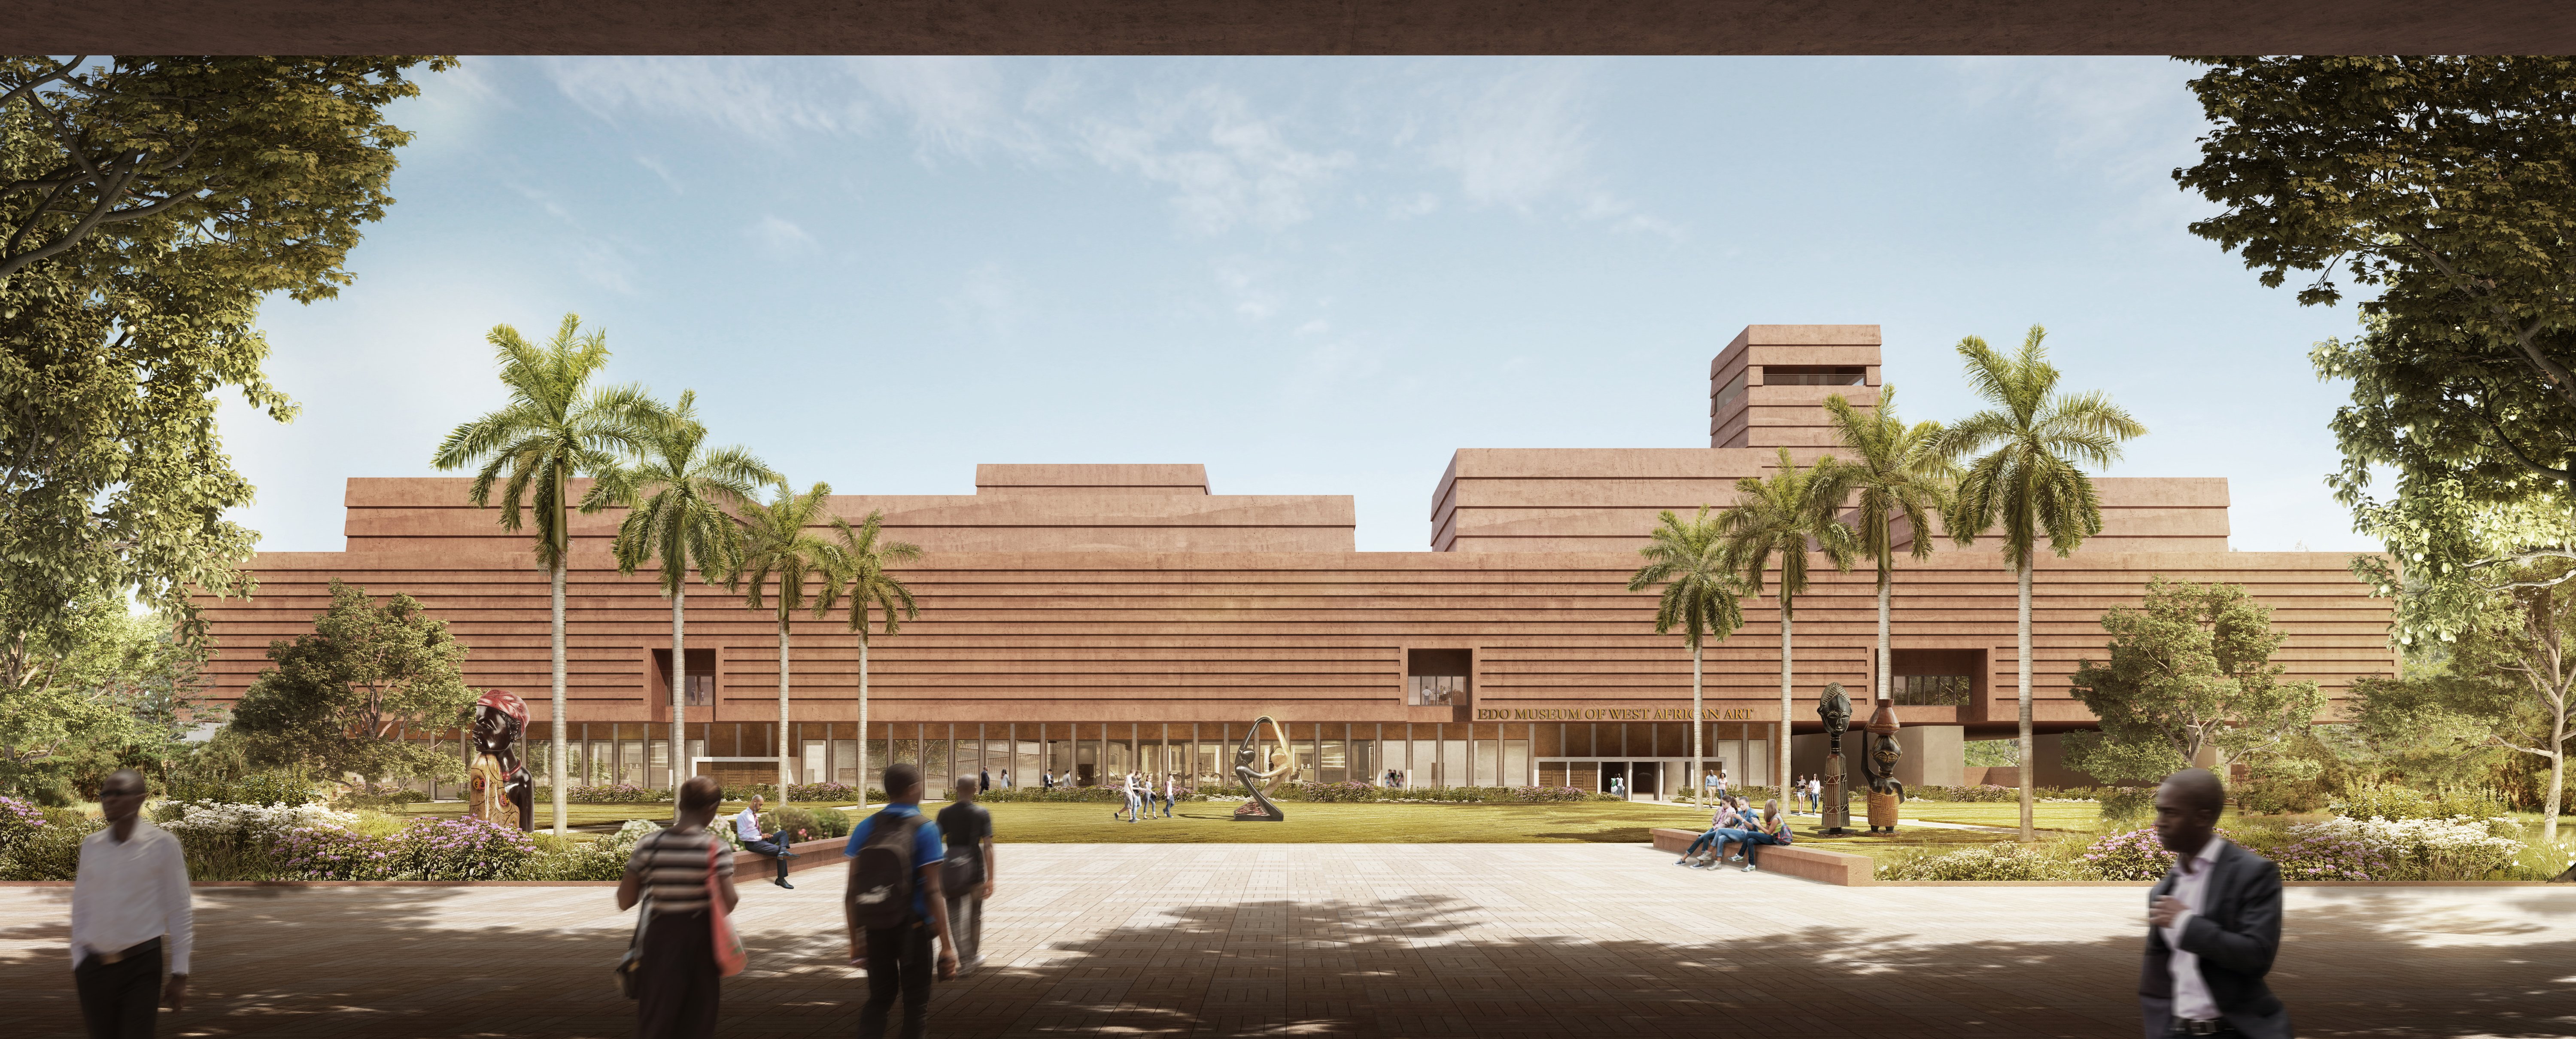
{"x": 1315, "y": 276}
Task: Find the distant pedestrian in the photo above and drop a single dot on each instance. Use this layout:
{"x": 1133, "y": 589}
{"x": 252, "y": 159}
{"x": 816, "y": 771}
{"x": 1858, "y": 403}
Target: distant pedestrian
{"x": 983, "y": 779}
{"x": 1046, "y": 780}
{"x": 129, "y": 909}
{"x": 967, "y": 829}
{"x": 1816, "y": 794}
{"x": 895, "y": 906}
{"x": 1006, "y": 779}
{"x": 2214, "y": 924}
{"x": 746, "y": 827}
{"x": 679, "y": 873}
{"x": 1171, "y": 792}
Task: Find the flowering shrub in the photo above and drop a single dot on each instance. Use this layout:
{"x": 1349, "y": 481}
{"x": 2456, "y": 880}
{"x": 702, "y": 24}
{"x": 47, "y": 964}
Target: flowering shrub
{"x": 614, "y": 794}
{"x": 2458, "y": 848}
{"x": 1985, "y": 792}
{"x": 2135, "y": 855}
{"x": 271, "y": 789}
{"x": 2327, "y": 856}
{"x": 233, "y": 841}
{"x": 460, "y": 849}
{"x": 1998, "y": 861}
{"x": 40, "y": 843}
{"x": 2383, "y": 802}
{"x": 331, "y": 853}
{"x": 841, "y": 793}
{"x": 1349, "y": 792}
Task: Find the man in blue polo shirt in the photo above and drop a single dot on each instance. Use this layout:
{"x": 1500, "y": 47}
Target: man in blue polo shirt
{"x": 898, "y": 958}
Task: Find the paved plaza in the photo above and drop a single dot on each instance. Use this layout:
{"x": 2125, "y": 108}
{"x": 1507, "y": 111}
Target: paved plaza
{"x": 1367, "y": 940}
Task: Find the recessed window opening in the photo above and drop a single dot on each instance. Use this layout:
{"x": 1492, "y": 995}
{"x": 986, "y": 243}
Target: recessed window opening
{"x": 1812, "y": 375}
{"x": 1932, "y": 690}
{"x": 1437, "y": 677}
{"x": 1726, "y": 395}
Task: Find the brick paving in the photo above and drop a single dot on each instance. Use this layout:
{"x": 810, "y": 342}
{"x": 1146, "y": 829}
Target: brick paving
{"x": 1363, "y": 940}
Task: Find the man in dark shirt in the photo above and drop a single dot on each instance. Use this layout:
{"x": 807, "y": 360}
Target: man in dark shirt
{"x": 968, "y": 879}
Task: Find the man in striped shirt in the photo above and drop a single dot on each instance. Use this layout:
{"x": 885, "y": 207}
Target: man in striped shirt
{"x": 677, "y": 987}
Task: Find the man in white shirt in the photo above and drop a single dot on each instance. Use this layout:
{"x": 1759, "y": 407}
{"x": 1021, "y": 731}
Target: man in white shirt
{"x": 2214, "y": 924}
{"x": 129, "y": 909}
{"x": 747, "y": 827}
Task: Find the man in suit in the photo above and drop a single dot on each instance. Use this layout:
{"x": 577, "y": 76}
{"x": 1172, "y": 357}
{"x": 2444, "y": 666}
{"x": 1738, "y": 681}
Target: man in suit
{"x": 2214, "y": 923}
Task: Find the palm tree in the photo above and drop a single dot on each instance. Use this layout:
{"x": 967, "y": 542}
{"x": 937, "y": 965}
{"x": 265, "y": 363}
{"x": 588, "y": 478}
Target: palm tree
{"x": 776, "y": 541}
{"x": 679, "y": 501}
{"x": 1780, "y": 516}
{"x": 1896, "y": 475}
{"x": 1689, "y": 560}
{"x": 2028, "y": 483}
{"x": 864, "y": 568}
{"x": 556, "y": 427}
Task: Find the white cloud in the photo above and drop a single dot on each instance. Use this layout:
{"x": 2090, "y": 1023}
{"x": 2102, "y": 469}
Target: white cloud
{"x": 986, "y": 302}
{"x": 2126, "y": 122}
{"x": 783, "y": 237}
{"x": 1420, "y": 204}
{"x": 1253, "y": 298}
{"x": 1226, "y": 165}
{"x": 767, "y": 99}
{"x": 958, "y": 105}
{"x": 1518, "y": 139}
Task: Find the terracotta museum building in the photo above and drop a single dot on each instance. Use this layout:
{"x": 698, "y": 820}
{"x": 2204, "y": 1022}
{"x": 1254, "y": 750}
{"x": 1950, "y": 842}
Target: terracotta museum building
{"x": 1098, "y": 618}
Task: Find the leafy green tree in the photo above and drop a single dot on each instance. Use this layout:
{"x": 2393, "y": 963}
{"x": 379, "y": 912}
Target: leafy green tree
{"x": 2522, "y": 640}
{"x": 1776, "y": 518}
{"x": 2430, "y": 727}
{"x": 2190, "y": 670}
{"x": 109, "y": 689}
{"x": 680, "y": 500}
{"x": 868, "y": 579}
{"x": 777, "y": 542}
{"x": 1895, "y": 476}
{"x": 338, "y": 700}
{"x": 2028, "y": 482}
{"x": 556, "y": 427}
{"x": 1688, "y": 558}
{"x": 147, "y": 207}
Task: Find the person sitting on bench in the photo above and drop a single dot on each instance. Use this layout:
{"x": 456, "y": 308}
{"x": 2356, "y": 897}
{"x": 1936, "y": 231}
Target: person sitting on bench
{"x": 747, "y": 827}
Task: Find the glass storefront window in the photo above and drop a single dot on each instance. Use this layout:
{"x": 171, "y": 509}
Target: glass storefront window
{"x": 845, "y": 762}
{"x": 631, "y": 769}
{"x": 1335, "y": 765}
{"x": 1454, "y": 770}
{"x": 1435, "y": 690}
{"x": 813, "y": 770}
{"x": 657, "y": 765}
{"x": 1425, "y": 769}
{"x": 1516, "y": 763}
{"x": 1488, "y": 763}
{"x": 1363, "y": 762}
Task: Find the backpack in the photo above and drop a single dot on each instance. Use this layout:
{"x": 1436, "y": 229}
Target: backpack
{"x": 880, "y": 891}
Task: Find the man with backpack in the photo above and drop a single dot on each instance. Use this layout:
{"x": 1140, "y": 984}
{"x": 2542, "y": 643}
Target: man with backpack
{"x": 895, "y": 905}
{"x": 967, "y": 879}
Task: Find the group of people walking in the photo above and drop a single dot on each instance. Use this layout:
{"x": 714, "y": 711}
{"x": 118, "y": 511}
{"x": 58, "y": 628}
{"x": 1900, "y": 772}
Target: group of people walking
{"x": 914, "y": 910}
{"x": 913, "y": 907}
{"x": 1142, "y": 796}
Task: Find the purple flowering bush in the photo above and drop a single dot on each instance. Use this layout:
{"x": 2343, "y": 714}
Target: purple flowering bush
{"x": 39, "y": 843}
{"x": 460, "y": 849}
{"x": 19, "y": 820}
{"x": 332, "y": 853}
{"x": 2135, "y": 855}
{"x": 837, "y": 792}
{"x": 614, "y": 794}
{"x": 2323, "y": 856}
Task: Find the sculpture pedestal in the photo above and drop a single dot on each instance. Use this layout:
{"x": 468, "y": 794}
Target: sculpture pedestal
{"x": 1836, "y": 817}
{"x": 1882, "y": 812}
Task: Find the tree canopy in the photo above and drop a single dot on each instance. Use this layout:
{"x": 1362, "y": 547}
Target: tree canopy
{"x": 337, "y": 701}
{"x": 147, "y": 206}
{"x": 2190, "y": 670}
{"x": 111, "y": 689}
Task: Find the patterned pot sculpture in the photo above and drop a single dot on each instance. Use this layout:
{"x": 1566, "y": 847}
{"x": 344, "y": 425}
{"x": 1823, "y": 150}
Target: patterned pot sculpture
{"x": 1879, "y": 764}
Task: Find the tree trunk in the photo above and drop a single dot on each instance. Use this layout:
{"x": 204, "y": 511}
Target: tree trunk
{"x": 2028, "y": 832}
{"x": 555, "y": 761}
{"x": 1886, "y": 657}
{"x": 678, "y": 755}
{"x": 1698, "y": 787}
{"x": 863, "y": 719}
{"x": 783, "y": 634}
{"x": 1780, "y": 778}
{"x": 2557, "y": 775}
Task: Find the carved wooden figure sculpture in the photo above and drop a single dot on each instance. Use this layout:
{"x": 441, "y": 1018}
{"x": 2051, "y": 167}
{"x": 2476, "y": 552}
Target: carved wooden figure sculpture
{"x": 1278, "y": 766}
{"x": 1834, "y": 708}
{"x": 498, "y": 787}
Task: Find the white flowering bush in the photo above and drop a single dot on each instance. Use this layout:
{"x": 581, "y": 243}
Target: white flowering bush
{"x": 227, "y": 841}
{"x": 2458, "y": 848}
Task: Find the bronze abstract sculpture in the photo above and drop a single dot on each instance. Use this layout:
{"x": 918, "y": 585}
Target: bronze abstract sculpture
{"x": 498, "y": 789}
{"x": 1878, "y": 763}
{"x": 1834, "y": 707}
{"x": 1277, "y": 765}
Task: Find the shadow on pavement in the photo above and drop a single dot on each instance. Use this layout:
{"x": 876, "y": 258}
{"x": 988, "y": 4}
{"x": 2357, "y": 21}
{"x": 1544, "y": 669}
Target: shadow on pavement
{"x": 382, "y": 965}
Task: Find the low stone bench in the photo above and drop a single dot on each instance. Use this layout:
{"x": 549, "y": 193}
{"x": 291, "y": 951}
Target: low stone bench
{"x": 1790, "y": 860}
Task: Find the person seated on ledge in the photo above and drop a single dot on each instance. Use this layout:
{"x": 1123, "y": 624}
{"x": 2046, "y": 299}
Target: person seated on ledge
{"x": 1775, "y": 830}
{"x": 746, "y": 827}
{"x": 1745, "y": 825}
{"x": 1724, "y": 818}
